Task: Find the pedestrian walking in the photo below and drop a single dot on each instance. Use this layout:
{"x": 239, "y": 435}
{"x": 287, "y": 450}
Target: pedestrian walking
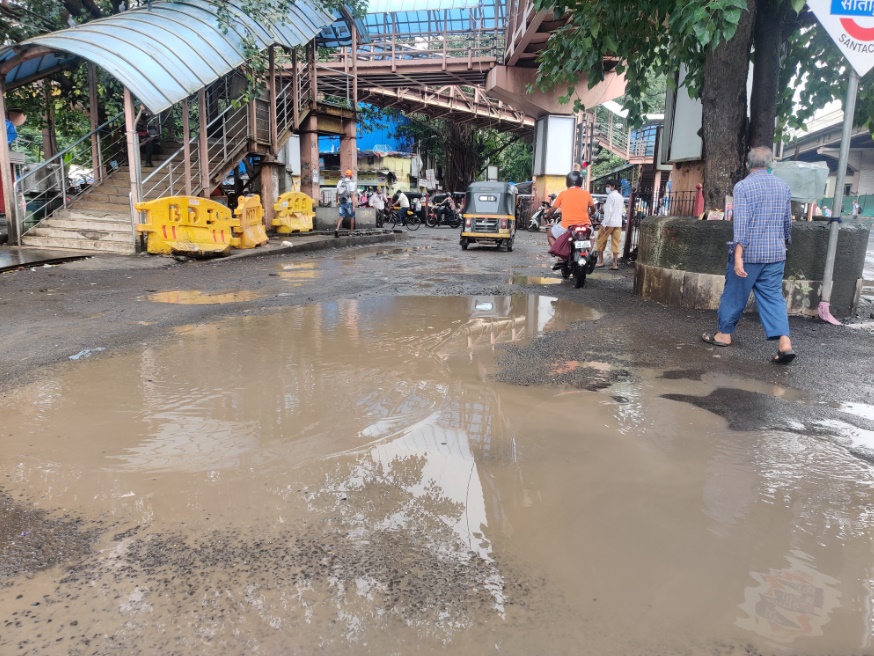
{"x": 346, "y": 195}
{"x": 856, "y": 209}
{"x": 757, "y": 256}
{"x": 611, "y": 226}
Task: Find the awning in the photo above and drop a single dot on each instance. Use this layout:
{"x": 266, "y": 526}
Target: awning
{"x": 163, "y": 54}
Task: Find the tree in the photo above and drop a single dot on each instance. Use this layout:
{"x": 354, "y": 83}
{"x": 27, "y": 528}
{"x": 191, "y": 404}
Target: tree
{"x": 715, "y": 40}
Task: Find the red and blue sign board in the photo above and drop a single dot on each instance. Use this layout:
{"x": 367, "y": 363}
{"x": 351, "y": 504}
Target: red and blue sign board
{"x": 850, "y": 23}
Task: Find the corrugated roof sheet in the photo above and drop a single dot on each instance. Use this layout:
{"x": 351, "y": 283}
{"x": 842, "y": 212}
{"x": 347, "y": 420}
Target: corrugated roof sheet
{"x": 165, "y": 54}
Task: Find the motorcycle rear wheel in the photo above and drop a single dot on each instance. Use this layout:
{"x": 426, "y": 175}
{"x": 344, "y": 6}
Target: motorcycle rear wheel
{"x": 579, "y": 276}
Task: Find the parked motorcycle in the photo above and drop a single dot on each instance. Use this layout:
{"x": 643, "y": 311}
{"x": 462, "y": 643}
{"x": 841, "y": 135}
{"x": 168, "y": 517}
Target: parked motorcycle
{"x": 583, "y": 257}
{"x": 537, "y": 219}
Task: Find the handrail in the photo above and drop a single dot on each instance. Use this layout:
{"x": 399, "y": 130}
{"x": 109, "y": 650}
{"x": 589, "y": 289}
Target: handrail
{"x": 69, "y": 148}
{"x": 169, "y": 164}
{"x": 47, "y": 187}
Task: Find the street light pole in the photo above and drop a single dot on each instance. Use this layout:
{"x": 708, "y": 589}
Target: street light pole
{"x": 824, "y": 309}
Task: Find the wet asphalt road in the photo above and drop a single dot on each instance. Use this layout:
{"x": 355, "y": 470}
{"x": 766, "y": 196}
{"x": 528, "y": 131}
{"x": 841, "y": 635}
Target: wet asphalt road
{"x": 103, "y": 306}
{"x": 50, "y": 314}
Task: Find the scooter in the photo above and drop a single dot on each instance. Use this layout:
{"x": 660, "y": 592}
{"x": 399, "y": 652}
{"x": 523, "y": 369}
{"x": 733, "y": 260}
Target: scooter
{"x": 537, "y": 218}
{"x": 583, "y": 257}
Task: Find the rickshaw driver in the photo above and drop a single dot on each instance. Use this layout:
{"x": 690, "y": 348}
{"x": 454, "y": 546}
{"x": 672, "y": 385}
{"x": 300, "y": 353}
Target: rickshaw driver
{"x": 575, "y": 202}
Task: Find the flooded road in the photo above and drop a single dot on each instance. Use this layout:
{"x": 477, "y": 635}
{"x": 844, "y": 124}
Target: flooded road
{"x": 350, "y": 478}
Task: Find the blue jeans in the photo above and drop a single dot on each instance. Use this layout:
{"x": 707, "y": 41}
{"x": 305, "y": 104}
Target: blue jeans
{"x": 347, "y": 211}
{"x": 765, "y": 281}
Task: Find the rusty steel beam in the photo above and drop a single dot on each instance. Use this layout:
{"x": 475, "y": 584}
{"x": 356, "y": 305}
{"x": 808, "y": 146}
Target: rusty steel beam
{"x": 453, "y": 102}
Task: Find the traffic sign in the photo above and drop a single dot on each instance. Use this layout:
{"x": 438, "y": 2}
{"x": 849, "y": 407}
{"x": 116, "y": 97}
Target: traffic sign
{"x": 850, "y": 23}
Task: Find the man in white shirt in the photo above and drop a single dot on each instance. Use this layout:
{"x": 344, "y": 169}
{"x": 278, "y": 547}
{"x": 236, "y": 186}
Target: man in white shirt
{"x": 346, "y": 197}
{"x": 377, "y": 201}
{"x": 611, "y": 226}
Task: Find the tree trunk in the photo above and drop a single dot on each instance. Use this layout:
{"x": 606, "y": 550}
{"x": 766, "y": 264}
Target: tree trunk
{"x": 724, "y": 100}
{"x": 768, "y": 40}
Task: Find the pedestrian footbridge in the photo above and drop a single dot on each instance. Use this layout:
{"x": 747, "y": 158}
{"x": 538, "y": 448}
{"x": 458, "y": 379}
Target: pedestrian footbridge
{"x": 470, "y": 61}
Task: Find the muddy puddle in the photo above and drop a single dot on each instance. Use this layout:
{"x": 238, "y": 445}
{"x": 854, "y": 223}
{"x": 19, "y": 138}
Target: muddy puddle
{"x": 348, "y": 478}
{"x": 196, "y": 297}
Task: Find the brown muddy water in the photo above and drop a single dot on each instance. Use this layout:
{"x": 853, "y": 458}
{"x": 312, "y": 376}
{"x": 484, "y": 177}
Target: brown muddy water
{"x": 347, "y": 478}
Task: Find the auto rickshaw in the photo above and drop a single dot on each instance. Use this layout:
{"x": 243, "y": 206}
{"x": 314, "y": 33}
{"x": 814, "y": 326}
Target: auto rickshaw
{"x": 489, "y": 215}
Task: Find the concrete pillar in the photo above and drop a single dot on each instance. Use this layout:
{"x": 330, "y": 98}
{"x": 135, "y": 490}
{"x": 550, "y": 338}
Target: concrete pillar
{"x": 269, "y": 190}
{"x": 349, "y": 148}
{"x": 186, "y": 145}
{"x": 133, "y": 162}
{"x": 203, "y": 142}
{"x": 309, "y": 157}
{"x": 96, "y": 155}
{"x": 553, "y": 153}
{"x": 6, "y": 180}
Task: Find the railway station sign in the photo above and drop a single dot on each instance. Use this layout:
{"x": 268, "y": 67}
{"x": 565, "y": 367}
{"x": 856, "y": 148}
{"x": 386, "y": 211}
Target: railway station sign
{"x": 850, "y": 23}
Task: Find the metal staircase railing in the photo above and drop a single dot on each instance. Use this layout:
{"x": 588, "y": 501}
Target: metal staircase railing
{"x": 169, "y": 178}
{"x": 53, "y": 184}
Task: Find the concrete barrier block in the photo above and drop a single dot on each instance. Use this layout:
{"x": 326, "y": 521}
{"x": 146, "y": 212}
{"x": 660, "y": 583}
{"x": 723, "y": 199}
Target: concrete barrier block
{"x": 327, "y": 217}
{"x": 692, "y": 246}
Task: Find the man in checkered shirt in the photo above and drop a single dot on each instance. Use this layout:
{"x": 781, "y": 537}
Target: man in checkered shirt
{"x": 762, "y": 230}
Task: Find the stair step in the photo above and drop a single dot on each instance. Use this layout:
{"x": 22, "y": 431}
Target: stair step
{"x": 76, "y": 214}
{"x": 79, "y": 244}
{"x": 114, "y": 208}
{"x": 97, "y": 225}
{"x": 107, "y": 196}
{"x": 82, "y": 233}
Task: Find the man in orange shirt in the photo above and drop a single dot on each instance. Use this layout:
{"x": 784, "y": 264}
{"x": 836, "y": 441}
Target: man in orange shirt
{"x": 575, "y": 203}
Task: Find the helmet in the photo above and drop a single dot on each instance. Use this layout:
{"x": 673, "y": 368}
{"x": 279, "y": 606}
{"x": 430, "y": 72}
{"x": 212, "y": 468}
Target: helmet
{"x": 574, "y": 179}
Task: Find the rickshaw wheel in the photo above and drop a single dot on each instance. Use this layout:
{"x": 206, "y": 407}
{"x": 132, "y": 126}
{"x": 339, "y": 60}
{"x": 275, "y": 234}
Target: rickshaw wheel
{"x": 464, "y": 244}
{"x": 509, "y": 245}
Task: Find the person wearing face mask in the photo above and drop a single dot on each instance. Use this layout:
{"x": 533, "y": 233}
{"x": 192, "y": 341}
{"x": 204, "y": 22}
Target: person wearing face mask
{"x": 611, "y": 227}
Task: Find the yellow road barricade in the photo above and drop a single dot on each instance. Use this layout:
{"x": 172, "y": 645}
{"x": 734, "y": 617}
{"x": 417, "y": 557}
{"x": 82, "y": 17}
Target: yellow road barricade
{"x": 294, "y": 213}
{"x": 250, "y": 215}
{"x": 187, "y": 225}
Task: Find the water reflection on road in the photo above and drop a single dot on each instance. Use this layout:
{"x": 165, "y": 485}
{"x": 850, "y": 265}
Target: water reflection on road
{"x": 348, "y": 477}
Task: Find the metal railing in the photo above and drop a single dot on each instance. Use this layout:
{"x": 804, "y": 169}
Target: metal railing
{"x": 227, "y": 135}
{"x": 614, "y": 134}
{"x": 169, "y": 178}
{"x": 334, "y": 87}
{"x": 284, "y": 105}
{"x": 678, "y": 203}
{"x": 305, "y": 93}
{"x": 44, "y": 188}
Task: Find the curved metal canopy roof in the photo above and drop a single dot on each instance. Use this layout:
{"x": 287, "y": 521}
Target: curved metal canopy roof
{"x": 163, "y": 54}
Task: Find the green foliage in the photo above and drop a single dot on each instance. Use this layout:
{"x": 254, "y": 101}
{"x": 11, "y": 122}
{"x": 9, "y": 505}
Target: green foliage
{"x": 463, "y": 151}
{"x": 651, "y": 39}
{"x": 646, "y": 39}
{"x": 605, "y": 162}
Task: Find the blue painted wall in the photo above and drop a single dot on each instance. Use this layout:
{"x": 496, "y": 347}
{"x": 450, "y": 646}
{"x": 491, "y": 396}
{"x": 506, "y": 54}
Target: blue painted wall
{"x": 372, "y": 138}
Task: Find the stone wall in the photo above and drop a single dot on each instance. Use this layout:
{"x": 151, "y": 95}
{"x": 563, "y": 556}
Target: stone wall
{"x": 682, "y": 262}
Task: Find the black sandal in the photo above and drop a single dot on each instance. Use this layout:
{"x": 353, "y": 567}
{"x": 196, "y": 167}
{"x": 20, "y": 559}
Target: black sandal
{"x": 710, "y": 339}
{"x": 784, "y": 357}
